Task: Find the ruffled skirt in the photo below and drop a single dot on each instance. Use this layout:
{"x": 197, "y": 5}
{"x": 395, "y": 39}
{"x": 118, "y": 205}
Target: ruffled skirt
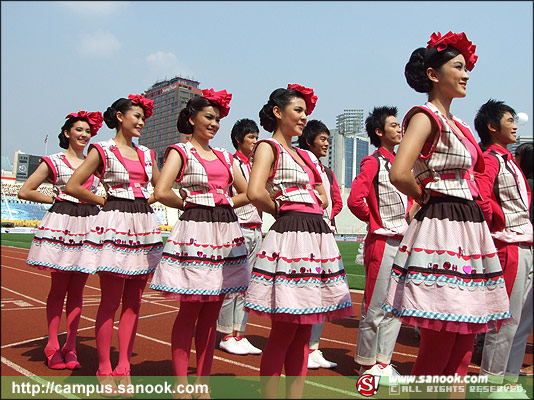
{"x": 125, "y": 239}
{"x": 205, "y": 256}
{"x": 299, "y": 275}
{"x": 57, "y": 244}
{"x": 446, "y": 275}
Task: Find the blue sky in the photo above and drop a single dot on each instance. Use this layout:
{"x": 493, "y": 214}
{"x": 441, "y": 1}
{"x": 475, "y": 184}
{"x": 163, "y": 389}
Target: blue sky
{"x": 60, "y": 57}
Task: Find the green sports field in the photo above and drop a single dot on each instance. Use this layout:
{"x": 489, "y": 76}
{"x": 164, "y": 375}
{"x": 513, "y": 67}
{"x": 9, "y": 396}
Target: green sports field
{"x": 355, "y": 272}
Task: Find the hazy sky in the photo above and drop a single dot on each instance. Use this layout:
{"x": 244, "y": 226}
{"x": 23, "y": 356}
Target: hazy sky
{"x": 60, "y": 57}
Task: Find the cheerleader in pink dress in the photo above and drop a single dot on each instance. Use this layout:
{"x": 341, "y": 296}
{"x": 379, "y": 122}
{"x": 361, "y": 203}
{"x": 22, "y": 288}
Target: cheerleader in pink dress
{"x": 58, "y": 241}
{"x": 298, "y": 278}
{"x": 446, "y": 276}
{"x": 205, "y": 256}
{"x": 124, "y": 245}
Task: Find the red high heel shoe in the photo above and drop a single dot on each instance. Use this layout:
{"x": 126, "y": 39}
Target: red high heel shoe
{"x": 54, "y": 359}
{"x": 71, "y": 358}
{"x": 107, "y": 385}
{"x": 124, "y": 379}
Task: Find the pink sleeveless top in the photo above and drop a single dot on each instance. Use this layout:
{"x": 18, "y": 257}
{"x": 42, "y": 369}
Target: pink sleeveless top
{"x": 137, "y": 175}
{"x": 217, "y": 178}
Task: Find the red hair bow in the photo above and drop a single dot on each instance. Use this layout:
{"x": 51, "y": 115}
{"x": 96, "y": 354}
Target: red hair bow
{"x": 221, "y": 98}
{"x": 94, "y": 119}
{"x": 458, "y": 41}
{"x": 146, "y": 104}
{"x": 309, "y": 97}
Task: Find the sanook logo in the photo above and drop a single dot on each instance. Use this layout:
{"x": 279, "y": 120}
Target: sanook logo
{"x": 367, "y": 385}
{"x": 168, "y": 88}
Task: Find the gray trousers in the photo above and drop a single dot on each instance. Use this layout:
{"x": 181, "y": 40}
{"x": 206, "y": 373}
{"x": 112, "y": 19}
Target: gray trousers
{"x": 519, "y": 345}
{"x": 377, "y": 333}
{"x": 317, "y": 330}
{"x": 498, "y": 344}
{"x": 232, "y": 316}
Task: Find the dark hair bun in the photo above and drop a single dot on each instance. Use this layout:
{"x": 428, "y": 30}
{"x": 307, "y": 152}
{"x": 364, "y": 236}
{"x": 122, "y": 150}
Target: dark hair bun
{"x": 267, "y": 118}
{"x": 110, "y": 118}
{"x": 63, "y": 141}
{"x": 415, "y": 71}
{"x": 182, "y": 124}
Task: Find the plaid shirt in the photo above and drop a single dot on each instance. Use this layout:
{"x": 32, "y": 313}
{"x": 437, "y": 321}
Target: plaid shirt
{"x": 374, "y": 199}
{"x": 193, "y": 178}
{"x": 445, "y": 167}
{"x": 503, "y": 204}
{"x": 115, "y": 176}
{"x": 392, "y": 204}
{"x": 62, "y": 170}
{"x": 289, "y": 181}
{"x": 247, "y": 214}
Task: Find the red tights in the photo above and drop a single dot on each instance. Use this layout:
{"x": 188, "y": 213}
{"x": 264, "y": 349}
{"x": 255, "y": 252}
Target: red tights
{"x": 288, "y": 345}
{"x": 204, "y": 315}
{"x": 113, "y": 289}
{"x": 443, "y": 353}
{"x": 70, "y": 284}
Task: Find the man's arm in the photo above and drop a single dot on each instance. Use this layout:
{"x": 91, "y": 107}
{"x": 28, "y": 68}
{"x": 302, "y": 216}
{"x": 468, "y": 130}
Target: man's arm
{"x": 485, "y": 182}
{"x": 361, "y": 187}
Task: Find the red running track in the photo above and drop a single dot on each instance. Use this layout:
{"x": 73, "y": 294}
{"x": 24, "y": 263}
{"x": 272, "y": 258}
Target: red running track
{"x": 24, "y": 292}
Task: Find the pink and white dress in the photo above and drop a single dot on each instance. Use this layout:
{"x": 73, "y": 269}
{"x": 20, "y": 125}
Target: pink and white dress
{"x": 205, "y": 256}
{"x": 446, "y": 275}
{"x": 125, "y": 238}
{"x": 57, "y": 244}
{"x": 298, "y": 275}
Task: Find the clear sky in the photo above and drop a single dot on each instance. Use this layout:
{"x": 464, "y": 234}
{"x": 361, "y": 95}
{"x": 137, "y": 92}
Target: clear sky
{"x": 60, "y": 57}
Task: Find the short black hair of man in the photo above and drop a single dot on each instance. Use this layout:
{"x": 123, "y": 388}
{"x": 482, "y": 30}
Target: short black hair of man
{"x": 241, "y": 129}
{"x": 490, "y": 113}
{"x": 377, "y": 120}
{"x": 312, "y": 129}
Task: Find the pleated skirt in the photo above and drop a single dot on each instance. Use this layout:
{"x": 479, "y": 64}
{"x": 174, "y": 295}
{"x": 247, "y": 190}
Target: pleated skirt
{"x": 125, "y": 239}
{"x": 299, "y": 276}
{"x": 446, "y": 275}
{"x": 205, "y": 256}
{"x": 57, "y": 243}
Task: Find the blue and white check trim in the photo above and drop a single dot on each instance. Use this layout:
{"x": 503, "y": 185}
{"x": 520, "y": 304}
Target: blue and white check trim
{"x": 213, "y": 292}
{"x": 297, "y": 311}
{"x": 446, "y": 316}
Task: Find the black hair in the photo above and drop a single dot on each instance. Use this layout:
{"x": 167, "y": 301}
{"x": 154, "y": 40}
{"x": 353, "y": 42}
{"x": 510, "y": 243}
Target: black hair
{"x": 377, "y": 120}
{"x": 241, "y": 129}
{"x": 312, "y": 129}
{"x": 191, "y": 109}
{"x": 422, "y": 59}
{"x": 490, "y": 113}
{"x": 63, "y": 140}
{"x": 525, "y": 150}
{"x": 280, "y": 98}
{"x": 110, "y": 116}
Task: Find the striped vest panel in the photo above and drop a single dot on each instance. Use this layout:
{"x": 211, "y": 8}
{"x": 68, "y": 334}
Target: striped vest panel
{"x": 193, "y": 179}
{"x": 391, "y": 202}
{"x": 448, "y": 157}
{"x": 290, "y": 182}
{"x": 506, "y": 190}
{"x": 115, "y": 176}
{"x": 61, "y": 174}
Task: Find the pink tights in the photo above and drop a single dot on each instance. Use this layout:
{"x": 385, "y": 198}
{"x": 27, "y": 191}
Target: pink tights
{"x": 443, "y": 353}
{"x": 205, "y": 315}
{"x": 288, "y": 345}
{"x": 63, "y": 283}
{"x": 113, "y": 289}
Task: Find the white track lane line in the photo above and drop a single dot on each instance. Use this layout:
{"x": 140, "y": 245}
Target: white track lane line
{"x": 193, "y": 351}
{"x": 35, "y": 378}
{"x": 152, "y": 302}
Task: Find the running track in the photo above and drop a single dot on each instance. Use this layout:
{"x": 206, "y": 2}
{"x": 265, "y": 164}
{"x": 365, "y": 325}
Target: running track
{"x": 24, "y": 292}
